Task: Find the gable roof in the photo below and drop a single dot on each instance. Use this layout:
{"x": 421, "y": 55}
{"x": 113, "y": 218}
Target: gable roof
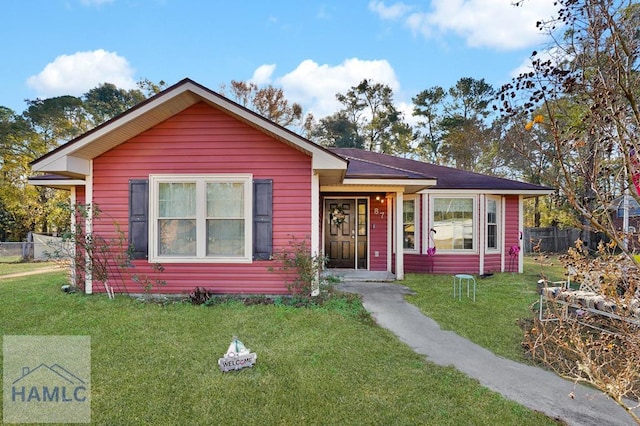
{"x": 368, "y": 164}
{"x": 74, "y": 157}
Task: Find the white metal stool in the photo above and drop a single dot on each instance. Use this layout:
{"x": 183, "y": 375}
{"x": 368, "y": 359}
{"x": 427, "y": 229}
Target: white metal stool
{"x": 458, "y": 279}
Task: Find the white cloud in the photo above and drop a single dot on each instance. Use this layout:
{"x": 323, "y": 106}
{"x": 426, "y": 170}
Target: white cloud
{"x": 482, "y": 23}
{"x": 392, "y": 12}
{"x": 77, "y": 73}
{"x": 315, "y": 86}
{"x": 262, "y": 74}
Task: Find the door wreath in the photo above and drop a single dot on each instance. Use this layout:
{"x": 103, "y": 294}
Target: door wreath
{"x": 338, "y": 216}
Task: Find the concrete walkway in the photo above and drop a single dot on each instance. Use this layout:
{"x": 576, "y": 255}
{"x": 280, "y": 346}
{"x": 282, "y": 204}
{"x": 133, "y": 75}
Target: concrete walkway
{"x": 529, "y": 386}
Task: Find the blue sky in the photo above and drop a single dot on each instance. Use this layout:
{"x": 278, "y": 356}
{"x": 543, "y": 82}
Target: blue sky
{"x": 311, "y": 49}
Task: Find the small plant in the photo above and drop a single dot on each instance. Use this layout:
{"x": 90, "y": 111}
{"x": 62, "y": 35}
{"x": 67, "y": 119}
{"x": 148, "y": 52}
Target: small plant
{"x": 200, "y": 296}
{"x": 147, "y": 282}
{"x": 105, "y": 260}
{"x": 300, "y": 267}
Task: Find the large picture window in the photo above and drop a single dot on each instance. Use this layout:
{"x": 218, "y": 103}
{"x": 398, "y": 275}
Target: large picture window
{"x": 201, "y": 218}
{"x": 453, "y": 223}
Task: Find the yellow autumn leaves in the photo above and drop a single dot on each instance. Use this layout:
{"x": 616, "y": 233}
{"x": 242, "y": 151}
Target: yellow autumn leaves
{"x": 536, "y": 120}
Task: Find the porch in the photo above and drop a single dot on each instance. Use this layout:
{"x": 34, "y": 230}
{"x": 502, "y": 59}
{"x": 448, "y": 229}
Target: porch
{"x": 349, "y": 275}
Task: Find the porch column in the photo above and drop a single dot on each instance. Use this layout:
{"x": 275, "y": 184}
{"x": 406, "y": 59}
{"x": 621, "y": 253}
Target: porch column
{"x": 483, "y": 231}
{"x": 88, "y": 230}
{"x": 399, "y": 216}
{"x": 503, "y": 234}
{"x": 520, "y": 233}
{"x": 73, "y": 200}
{"x": 315, "y": 228}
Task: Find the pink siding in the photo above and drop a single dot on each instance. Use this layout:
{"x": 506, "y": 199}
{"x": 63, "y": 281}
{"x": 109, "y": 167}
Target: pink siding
{"x": 493, "y": 263}
{"x": 442, "y": 263}
{"x": 512, "y": 232}
{"x": 377, "y": 233}
{"x": 202, "y": 139}
{"x": 453, "y": 263}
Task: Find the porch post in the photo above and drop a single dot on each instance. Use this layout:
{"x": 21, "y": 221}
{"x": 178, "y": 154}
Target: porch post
{"x": 503, "y": 235}
{"x": 390, "y": 244}
{"x": 315, "y": 228}
{"x": 520, "y": 232}
{"x": 399, "y": 216}
{"x": 483, "y": 229}
{"x": 88, "y": 230}
{"x": 73, "y": 247}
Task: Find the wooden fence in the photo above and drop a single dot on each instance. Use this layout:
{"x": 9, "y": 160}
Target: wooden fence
{"x": 550, "y": 240}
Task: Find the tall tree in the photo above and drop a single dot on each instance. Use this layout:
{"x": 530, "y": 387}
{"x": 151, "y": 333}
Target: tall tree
{"x": 44, "y": 125}
{"x": 336, "y": 130}
{"x": 367, "y": 120}
{"x": 586, "y": 87}
{"x": 56, "y": 119}
{"x": 269, "y": 101}
{"x": 428, "y": 106}
{"x": 106, "y": 101}
{"x": 465, "y": 132}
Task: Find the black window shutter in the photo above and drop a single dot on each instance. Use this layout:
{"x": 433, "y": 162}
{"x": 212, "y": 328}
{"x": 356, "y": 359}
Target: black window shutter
{"x": 262, "y": 219}
{"x": 139, "y": 218}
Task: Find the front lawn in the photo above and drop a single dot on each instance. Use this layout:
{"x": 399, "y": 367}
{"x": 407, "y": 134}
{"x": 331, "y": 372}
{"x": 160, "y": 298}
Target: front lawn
{"x": 502, "y": 302}
{"x": 155, "y": 364}
{"x": 14, "y": 266}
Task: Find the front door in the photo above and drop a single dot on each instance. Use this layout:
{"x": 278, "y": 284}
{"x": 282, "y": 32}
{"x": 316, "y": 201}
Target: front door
{"x": 345, "y": 236}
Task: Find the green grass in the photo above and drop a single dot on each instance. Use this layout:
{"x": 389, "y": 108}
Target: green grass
{"x": 502, "y": 301}
{"x": 14, "y": 266}
{"x": 155, "y": 364}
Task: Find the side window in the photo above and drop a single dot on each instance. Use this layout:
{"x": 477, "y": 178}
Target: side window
{"x": 492, "y": 224}
{"x": 409, "y": 216}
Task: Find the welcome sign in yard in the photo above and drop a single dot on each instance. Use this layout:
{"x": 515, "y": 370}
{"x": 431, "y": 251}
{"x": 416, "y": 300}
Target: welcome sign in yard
{"x": 237, "y": 357}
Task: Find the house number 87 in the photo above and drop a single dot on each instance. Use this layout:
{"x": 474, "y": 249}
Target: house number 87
{"x": 377, "y": 211}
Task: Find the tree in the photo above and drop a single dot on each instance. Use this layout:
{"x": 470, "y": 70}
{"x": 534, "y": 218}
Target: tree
{"x": 579, "y": 107}
{"x": 106, "y": 101}
{"x": 584, "y": 93}
{"x": 465, "y": 133}
{"x": 428, "y": 105}
{"x": 269, "y": 101}
{"x": 336, "y": 130}
{"x": 43, "y": 126}
{"x": 369, "y": 106}
{"x": 56, "y": 119}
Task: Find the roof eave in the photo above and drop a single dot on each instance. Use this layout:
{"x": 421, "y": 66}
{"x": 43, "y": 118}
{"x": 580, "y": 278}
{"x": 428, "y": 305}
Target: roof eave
{"x": 73, "y": 158}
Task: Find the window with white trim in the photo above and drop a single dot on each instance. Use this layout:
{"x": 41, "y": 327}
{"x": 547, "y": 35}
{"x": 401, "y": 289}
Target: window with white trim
{"x": 409, "y": 216}
{"x": 492, "y": 224}
{"x": 453, "y": 222}
{"x": 201, "y": 217}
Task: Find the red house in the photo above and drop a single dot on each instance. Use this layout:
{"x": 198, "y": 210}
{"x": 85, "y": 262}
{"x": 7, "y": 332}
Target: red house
{"x": 210, "y": 190}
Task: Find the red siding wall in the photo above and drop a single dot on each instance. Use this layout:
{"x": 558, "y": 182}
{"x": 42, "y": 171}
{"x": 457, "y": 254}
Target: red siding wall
{"x": 512, "y": 231}
{"x": 378, "y": 233}
{"x": 454, "y": 263}
{"x": 492, "y": 263}
{"x": 202, "y": 139}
